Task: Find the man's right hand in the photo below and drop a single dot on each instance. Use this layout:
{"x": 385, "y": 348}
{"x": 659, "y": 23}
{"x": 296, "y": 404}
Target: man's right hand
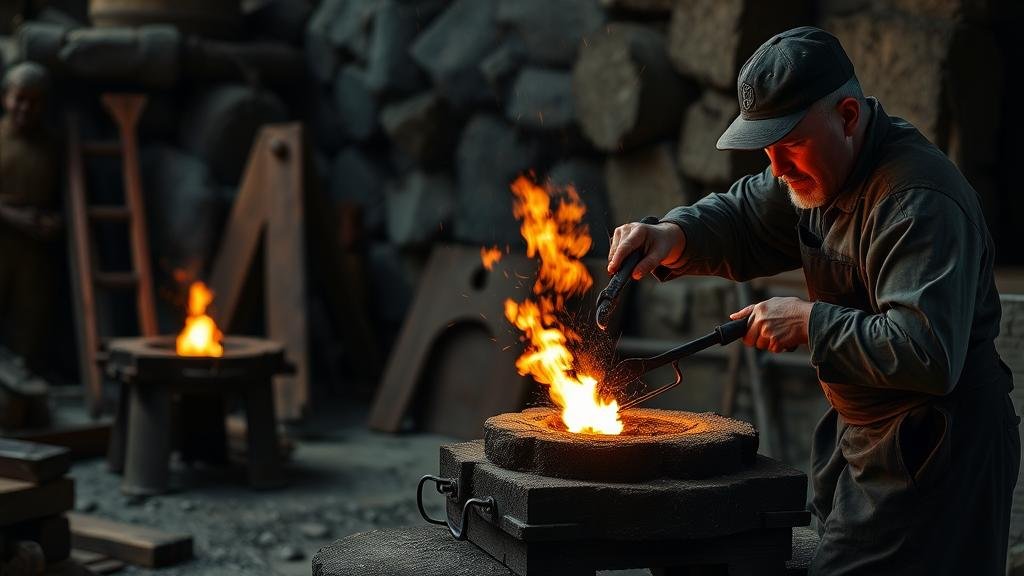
{"x": 661, "y": 244}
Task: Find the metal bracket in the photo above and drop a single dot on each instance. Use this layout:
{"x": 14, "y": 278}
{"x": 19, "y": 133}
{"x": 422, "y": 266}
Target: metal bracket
{"x": 450, "y": 487}
{"x": 657, "y": 391}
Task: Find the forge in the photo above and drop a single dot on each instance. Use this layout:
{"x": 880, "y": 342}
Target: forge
{"x": 653, "y": 443}
{"x": 673, "y": 489}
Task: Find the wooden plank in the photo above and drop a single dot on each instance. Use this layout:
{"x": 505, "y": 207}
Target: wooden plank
{"x": 139, "y": 545}
{"x": 51, "y": 533}
{"x": 271, "y": 200}
{"x": 21, "y": 500}
{"x": 32, "y": 462}
{"x": 84, "y": 440}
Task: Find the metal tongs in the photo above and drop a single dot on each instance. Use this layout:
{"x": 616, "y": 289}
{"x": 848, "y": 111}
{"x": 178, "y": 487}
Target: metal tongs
{"x": 631, "y": 369}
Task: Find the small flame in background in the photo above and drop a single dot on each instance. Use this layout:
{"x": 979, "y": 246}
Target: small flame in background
{"x": 200, "y": 336}
{"x": 490, "y": 256}
{"x": 560, "y": 240}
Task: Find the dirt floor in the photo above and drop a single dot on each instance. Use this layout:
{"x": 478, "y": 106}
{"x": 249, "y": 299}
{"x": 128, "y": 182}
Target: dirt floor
{"x": 343, "y": 479}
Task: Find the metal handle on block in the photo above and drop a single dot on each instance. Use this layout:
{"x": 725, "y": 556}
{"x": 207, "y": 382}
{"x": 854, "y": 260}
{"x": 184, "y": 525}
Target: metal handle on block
{"x": 450, "y": 486}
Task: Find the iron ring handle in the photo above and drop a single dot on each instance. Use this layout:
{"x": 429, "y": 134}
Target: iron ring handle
{"x": 451, "y": 487}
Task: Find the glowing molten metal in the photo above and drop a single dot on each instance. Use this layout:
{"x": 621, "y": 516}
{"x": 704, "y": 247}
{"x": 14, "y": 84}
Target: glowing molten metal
{"x": 560, "y": 240}
{"x": 200, "y": 336}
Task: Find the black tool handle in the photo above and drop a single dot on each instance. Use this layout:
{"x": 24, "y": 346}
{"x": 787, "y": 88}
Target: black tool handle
{"x": 731, "y": 331}
{"x": 723, "y": 334}
{"x": 609, "y": 297}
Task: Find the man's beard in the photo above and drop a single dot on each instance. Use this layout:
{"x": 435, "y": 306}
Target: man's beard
{"x": 812, "y": 198}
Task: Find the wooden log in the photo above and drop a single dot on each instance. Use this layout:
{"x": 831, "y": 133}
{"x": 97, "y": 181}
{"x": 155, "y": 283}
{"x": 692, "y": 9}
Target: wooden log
{"x": 32, "y": 462}
{"x": 451, "y": 49}
{"x": 627, "y": 93}
{"x": 710, "y": 39}
{"x": 138, "y": 545}
{"x": 704, "y": 122}
{"x": 419, "y": 209}
{"x": 21, "y": 501}
{"x": 644, "y": 183}
{"x": 263, "y": 63}
{"x": 355, "y": 103}
{"x": 220, "y": 126}
{"x": 490, "y": 155}
{"x": 41, "y": 42}
{"x": 551, "y": 32}
{"x": 147, "y": 56}
{"x": 423, "y": 128}
{"x": 541, "y": 99}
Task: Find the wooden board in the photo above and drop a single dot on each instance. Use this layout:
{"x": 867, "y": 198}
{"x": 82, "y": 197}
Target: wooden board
{"x": 269, "y": 206}
{"x": 32, "y": 462}
{"x": 129, "y": 543}
{"x": 21, "y": 501}
{"x": 84, "y": 439}
{"x": 51, "y": 533}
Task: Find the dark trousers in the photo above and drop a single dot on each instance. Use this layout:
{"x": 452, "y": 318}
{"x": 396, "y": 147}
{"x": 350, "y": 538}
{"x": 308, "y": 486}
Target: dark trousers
{"x": 927, "y": 492}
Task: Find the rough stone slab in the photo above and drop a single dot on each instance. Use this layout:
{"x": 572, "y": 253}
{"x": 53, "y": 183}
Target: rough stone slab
{"x": 490, "y": 155}
{"x": 32, "y": 462}
{"x": 703, "y": 123}
{"x": 627, "y": 93}
{"x": 453, "y": 46}
{"x": 322, "y": 56}
{"x": 355, "y": 103}
{"x": 389, "y": 66}
{"x": 654, "y": 444}
{"x": 587, "y": 177}
{"x": 419, "y": 209}
{"x": 350, "y": 30}
{"x": 907, "y": 78}
{"x": 539, "y": 508}
{"x": 500, "y": 65}
{"x": 541, "y": 99}
{"x": 423, "y": 550}
{"x": 644, "y": 183}
{"x": 710, "y": 40}
{"x": 219, "y": 126}
{"x": 552, "y": 32}
{"x": 980, "y": 11}
{"x": 422, "y": 127}
{"x": 356, "y": 179}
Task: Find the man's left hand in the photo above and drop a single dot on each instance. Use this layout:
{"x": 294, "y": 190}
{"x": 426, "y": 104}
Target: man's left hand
{"x": 777, "y": 324}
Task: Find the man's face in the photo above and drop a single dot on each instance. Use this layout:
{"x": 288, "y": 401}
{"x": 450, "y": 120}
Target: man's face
{"x": 814, "y": 159}
{"x": 23, "y": 104}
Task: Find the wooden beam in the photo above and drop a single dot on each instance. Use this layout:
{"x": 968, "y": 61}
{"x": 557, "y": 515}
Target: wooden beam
{"x": 32, "y": 462}
{"x": 21, "y": 500}
{"x": 129, "y": 543}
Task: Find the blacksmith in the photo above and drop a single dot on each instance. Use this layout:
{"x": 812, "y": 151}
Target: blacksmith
{"x": 914, "y": 465}
{"x": 28, "y": 222}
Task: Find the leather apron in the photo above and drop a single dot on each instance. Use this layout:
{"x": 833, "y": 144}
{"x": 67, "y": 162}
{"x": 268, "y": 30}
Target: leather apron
{"x": 926, "y": 491}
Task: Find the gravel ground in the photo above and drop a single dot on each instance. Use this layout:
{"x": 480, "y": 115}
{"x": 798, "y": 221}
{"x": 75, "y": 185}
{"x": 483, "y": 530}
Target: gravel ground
{"x": 346, "y": 481}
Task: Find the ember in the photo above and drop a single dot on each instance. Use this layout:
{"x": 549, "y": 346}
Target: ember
{"x": 560, "y": 240}
{"x": 200, "y": 337}
{"x": 490, "y": 256}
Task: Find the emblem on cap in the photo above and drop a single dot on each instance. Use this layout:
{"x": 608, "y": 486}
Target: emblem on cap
{"x": 746, "y": 96}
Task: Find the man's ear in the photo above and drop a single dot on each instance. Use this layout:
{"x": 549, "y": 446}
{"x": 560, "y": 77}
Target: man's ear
{"x": 849, "y": 111}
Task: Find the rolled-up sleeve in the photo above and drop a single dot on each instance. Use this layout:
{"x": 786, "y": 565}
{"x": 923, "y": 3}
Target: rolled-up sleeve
{"x": 747, "y": 232}
{"x": 922, "y": 265}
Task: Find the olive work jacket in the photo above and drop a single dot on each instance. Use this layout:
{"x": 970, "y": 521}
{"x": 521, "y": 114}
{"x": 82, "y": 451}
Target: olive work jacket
{"x": 898, "y": 264}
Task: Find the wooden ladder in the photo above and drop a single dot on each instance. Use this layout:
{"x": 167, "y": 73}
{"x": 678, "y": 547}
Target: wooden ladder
{"x": 86, "y": 278}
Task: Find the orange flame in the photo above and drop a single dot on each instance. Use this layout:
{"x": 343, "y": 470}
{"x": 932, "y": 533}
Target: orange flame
{"x": 200, "y": 336}
{"x": 490, "y": 256}
{"x": 560, "y": 240}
